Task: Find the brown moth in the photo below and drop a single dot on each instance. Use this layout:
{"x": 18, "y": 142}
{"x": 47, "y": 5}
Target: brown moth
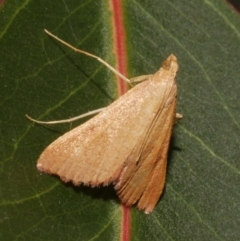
{"x": 126, "y": 144}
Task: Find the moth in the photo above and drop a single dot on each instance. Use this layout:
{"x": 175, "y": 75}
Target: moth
{"x": 126, "y": 144}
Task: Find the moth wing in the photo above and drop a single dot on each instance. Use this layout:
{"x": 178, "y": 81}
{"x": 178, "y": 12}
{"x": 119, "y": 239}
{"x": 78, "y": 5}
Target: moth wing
{"x": 143, "y": 179}
{"x": 95, "y": 152}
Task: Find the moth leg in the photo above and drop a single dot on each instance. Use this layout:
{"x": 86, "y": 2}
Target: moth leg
{"x": 140, "y": 78}
{"x": 178, "y": 117}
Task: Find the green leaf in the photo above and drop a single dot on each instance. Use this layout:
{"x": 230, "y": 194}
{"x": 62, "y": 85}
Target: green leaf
{"x": 48, "y": 81}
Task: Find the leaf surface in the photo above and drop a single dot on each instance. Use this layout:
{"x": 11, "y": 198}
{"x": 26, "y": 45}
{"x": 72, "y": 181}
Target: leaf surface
{"x": 48, "y": 81}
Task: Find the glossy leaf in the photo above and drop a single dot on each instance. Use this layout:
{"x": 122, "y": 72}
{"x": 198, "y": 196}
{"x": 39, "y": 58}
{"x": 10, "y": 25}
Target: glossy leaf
{"x": 44, "y": 79}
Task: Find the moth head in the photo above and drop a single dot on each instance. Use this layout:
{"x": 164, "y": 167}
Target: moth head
{"x": 170, "y": 64}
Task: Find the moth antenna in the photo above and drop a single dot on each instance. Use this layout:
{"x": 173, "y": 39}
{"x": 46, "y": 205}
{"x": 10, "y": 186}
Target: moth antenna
{"x": 67, "y": 120}
{"x": 90, "y": 55}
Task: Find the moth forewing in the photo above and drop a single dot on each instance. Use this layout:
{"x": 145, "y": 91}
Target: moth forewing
{"x": 156, "y": 184}
{"x": 143, "y": 177}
